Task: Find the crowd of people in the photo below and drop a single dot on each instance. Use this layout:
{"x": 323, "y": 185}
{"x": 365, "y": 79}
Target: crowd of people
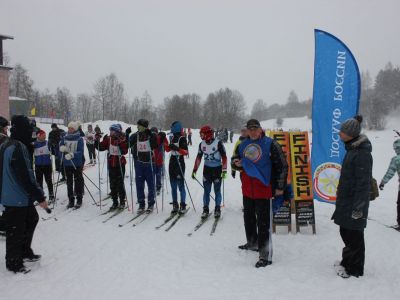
{"x": 26, "y": 158}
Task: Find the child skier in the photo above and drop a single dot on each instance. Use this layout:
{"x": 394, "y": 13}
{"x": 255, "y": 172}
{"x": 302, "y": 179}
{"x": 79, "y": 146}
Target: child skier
{"x": 73, "y": 159}
{"x": 178, "y": 148}
{"x": 43, "y": 166}
{"x": 393, "y": 168}
{"x": 117, "y": 147}
{"x": 89, "y": 139}
{"x": 159, "y": 153}
{"x": 215, "y": 164}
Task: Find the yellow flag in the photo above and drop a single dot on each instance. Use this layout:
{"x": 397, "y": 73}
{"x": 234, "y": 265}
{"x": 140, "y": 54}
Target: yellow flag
{"x": 33, "y": 111}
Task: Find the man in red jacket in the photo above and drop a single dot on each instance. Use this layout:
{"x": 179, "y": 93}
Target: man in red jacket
{"x": 264, "y": 166}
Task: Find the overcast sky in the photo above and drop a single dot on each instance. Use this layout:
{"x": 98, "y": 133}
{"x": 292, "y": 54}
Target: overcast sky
{"x": 264, "y": 49}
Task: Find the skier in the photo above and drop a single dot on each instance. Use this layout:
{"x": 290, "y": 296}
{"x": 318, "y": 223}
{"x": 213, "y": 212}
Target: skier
{"x": 353, "y": 196}
{"x": 178, "y": 148}
{"x": 231, "y": 135}
{"x": 142, "y": 144}
{"x": 72, "y": 147}
{"x": 214, "y": 171}
{"x": 190, "y": 137}
{"x": 55, "y": 136}
{"x": 394, "y": 167}
{"x": 89, "y": 138}
{"x": 117, "y": 147}
{"x": 18, "y": 192}
{"x": 258, "y": 157}
{"x": 43, "y": 167}
{"x": 162, "y": 142}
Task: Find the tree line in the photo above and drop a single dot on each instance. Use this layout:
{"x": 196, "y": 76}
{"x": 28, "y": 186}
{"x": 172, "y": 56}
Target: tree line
{"x": 224, "y": 108}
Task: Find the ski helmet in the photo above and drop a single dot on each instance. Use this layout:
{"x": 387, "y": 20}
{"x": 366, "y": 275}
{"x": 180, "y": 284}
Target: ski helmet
{"x": 206, "y": 132}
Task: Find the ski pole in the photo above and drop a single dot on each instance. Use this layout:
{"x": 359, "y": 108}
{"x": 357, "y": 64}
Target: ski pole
{"x": 130, "y": 171}
{"x": 98, "y": 168}
{"x": 179, "y": 164}
{"x": 203, "y": 187}
{"x": 91, "y": 181}
{"x": 154, "y": 179}
{"x": 223, "y": 192}
{"x": 58, "y": 179}
{"x": 122, "y": 177}
{"x": 84, "y": 184}
{"x": 397, "y": 132}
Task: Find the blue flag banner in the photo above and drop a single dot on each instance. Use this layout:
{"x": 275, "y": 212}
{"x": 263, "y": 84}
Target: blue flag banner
{"x": 335, "y": 99}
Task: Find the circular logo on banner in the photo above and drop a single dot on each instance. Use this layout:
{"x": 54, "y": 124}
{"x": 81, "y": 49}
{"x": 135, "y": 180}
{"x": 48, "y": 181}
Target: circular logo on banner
{"x": 326, "y": 180}
{"x": 253, "y": 152}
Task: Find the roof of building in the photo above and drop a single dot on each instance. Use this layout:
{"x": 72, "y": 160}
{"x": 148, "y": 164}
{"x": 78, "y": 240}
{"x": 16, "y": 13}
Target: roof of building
{"x": 6, "y": 37}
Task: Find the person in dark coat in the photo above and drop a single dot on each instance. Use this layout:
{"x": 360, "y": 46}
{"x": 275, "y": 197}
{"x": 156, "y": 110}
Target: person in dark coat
{"x": 18, "y": 192}
{"x": 55, "y": 136}
{"x": 352, "y": 200}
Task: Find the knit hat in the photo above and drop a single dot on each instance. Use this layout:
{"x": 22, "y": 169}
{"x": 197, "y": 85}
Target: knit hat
{"x": 54, "y": 125}
{"x": 143, "y": 122}
{"x": 176, "y": 127}
{"x": 41, "y": 132}
{"x": 116, "y": 127}
{"x": 253, "y": 123}
{"x": 21, "y": 129}
{"x": 3, "y": 122}
{"x": 74, "y": 125}
{"x": 352, "y": 127}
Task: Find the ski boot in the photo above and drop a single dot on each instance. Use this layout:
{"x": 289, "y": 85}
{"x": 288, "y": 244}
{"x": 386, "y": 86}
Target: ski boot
{"x": 121, "y": 204}
{"x": 51, "y": 199}
{"x": 262, "y": 263}
{"x": 150, "y": 208}
{"x": 91, "y": 162}
{"x": 114, "y": 206}
{"x": 141, "y": 208}
{"x": 248, "y": 247}
{"x": 16, "y": 266}
{"x": 217, "y": 211}
{"x": 32, "y": 257}
{"x": 78, "y": 203}
{"x": 175, "y": 208}
{"x": 182, "y": 208}
{"x": 71, "y": 203}
{"x": 205, "y": 213}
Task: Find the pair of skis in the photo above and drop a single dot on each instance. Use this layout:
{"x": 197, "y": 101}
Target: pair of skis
{"x": 145, "y": 213}
{"x": 174, "y": 218}
{"x": 201, "y": 223}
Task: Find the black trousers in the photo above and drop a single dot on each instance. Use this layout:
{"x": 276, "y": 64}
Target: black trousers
{"x": 20, "y": 226}
{"x": 74, "y": 178}
{"x": 92, "y": 151}
{"x": 398, "y": 208}
{"x": 353, "y": 255}
{"x": 257, "y": 223}
{"x": 117, "y": 183}
{"x": 46, "y": 172}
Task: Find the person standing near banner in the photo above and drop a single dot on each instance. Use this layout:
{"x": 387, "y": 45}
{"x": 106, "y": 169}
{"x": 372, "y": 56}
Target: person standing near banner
{"x": 394, "y": 167}
{"x": 352, "y": 201}
{"x": 258, "y": 157}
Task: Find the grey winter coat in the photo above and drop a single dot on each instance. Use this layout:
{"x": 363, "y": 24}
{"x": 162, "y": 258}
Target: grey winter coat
{"x": 352, "y": 201}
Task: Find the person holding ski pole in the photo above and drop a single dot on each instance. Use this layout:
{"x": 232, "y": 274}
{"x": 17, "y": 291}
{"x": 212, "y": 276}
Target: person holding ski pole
{"x": 394, "y": 167}
{"x": 214, "y": 171}
{"x": 258, "y": 157}
{"x": 162, "y": 142}
{"x": 43, "y": 167}
{"x": 117, "y": 147}
{"x": 89, "y": 139}
{"x": 178, "y": 148}
{"x": 55, "y": 136}
{"x": 72, "y": 147}
{"x": 142, "y": 144}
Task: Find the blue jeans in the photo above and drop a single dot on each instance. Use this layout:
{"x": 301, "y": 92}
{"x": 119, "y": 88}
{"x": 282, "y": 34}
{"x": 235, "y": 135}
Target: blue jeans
{"x": 207, "y": 190}
{"x": 175, "y": 184}
{"x": 144, "y": 173}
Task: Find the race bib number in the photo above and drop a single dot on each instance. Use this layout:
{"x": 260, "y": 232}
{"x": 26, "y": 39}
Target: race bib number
{"x": 143, "y": 146}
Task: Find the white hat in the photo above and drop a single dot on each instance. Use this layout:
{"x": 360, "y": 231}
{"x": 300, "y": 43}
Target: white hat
{"x": 73, "y": 125}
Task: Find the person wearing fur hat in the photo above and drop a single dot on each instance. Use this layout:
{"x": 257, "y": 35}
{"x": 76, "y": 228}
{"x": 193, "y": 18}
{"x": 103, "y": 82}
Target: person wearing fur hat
{"x": 18, "y": 192}
{"x": 72, "y": 149}
{"x": 178, "y": 148}
{"x": 394, "y": 167}
{"x": 117, "y": 147}
{"x": 142, "y": 144}
{"x": 352, "y": 201}
{"x": 43, "y": 167}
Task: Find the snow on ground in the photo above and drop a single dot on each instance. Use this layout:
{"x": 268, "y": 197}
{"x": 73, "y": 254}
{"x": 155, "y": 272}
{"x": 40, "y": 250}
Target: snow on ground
{"x": 84, "y": 258}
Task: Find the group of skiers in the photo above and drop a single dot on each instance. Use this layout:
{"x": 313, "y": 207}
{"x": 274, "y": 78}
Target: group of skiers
{"x": 259, "y": 160}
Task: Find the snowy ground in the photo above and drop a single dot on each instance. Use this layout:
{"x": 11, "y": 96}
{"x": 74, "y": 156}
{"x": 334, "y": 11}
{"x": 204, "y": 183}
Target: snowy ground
{"x": 84, "y": 258}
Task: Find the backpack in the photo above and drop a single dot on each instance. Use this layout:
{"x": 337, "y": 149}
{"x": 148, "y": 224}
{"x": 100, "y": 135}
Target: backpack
{"x": 374, "y": 191}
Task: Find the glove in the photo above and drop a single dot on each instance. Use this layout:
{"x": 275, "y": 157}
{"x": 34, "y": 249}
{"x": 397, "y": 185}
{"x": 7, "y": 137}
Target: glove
{"x": 224, "y": 175}
{"x": 356, "y": 214}
{"x": 173, "y": 147}
{"x": 69, "y": 156}
{"x": 63, "y": 148}
{"x": 194, "y": 175}
{"x": 381, "y": 186}
{"x": 233, "y": 173}
{"x": 128, "y": 131}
